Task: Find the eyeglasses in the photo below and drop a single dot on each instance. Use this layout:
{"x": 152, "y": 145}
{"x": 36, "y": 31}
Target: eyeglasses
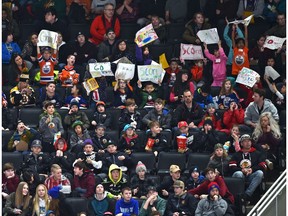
{"x": 109, "y": 9}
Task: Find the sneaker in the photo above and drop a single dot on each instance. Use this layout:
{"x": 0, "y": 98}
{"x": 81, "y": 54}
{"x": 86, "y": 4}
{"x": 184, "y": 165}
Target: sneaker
{"x": 269, "y": 164}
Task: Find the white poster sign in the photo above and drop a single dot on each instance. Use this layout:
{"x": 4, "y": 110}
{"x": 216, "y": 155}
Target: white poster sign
{"x": 125, "y": 71}
{"x": 246, "y": 21}
{"x": 191, "y": 52}
{"x": 100, "y": 69}
{"x": 163, "y": 71}
{"x": 247, "y": 77}
{"x": 271, "y": 72}
{"x": 273, "y": 42}
{"x": 47, "y": 38}
{"x": 151, "y": 73}
{"x": 208, "y": 36}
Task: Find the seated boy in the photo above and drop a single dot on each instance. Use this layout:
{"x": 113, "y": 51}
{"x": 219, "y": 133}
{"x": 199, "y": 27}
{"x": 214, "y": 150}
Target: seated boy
{"x": 100, "y": 139}
{"x": 126, "y": 205}
{"x": 184, "y": 131}
{"x": 202, "y": 96}
{"x": 148, "y": 94}
{"x": 101, "y": 116}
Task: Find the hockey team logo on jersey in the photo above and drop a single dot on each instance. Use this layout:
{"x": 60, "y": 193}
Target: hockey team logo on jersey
{"x": 46, "y": 69}
{"x": 239, "y": 59}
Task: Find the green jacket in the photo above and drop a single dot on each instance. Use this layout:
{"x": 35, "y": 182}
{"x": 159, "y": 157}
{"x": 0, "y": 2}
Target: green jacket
{"x": 160, "y": 206}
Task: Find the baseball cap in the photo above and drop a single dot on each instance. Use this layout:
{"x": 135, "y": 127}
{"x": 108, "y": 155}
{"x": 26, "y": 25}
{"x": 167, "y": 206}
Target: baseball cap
{"x": 36, "y": 143}
{"x": 174, "y": 168}
{"x": 245, "y": 137}
{"x": 182, "y": 124}
{"x": 179, "y": 183}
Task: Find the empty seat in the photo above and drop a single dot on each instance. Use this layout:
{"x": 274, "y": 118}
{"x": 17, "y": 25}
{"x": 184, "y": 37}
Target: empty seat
{"x": 145, "y": 157}
{"x": 30, "y": 116}
{"x": 116, "y": 114}
{"x": 14, "y": 114}
{"x": 73, "y": 206}
{"x": 6, "y": 135}
{"x": 12, "y": 157}
{"x": 197, "y": 159}
{"x": 114, "y": 135}
{"x": 109, "y": 95}
{"x": 166, "y": 159}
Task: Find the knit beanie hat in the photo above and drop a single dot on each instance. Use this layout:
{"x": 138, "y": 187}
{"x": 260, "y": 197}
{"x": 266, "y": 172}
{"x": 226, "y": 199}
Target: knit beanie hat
{"x": 140, "y": 166}
{"x": 208, "y": 121}
{"x": 54, "y": 192}
{"x": 74, "y": 102}
{"x": 77, "y": 122}
{"x": 88, "y": 142}
{"x": 213, "y": 185}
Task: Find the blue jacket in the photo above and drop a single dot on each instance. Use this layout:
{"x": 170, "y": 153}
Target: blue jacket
{"x": 127, "y": 208}
{"x": 6, "y": 55}
{"x": 201, "y": 100}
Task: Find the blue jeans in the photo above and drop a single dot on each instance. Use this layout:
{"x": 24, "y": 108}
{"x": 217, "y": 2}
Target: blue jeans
{"x": 254, "y": 180}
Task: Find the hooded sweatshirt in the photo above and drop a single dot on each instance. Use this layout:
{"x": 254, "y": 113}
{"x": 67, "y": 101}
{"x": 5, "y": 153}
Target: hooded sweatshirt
{"x": 99, "y": 206}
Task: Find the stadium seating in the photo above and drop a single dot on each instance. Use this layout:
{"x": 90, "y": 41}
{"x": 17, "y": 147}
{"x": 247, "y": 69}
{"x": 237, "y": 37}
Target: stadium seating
{"x": 15, "y": 158}
{"x": 30, "y": 116}
{"x": 147, "y": 158}
{"x": 197, "y": 159}
{"x": 6, "y": 135}
{"x": 73, "y": 206}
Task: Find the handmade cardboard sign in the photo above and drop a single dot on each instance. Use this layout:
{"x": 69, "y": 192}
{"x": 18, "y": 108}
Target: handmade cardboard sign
{"x": 100, "y": 69}
{"x": 145, "y": 35}
{"x": 247, "y": 77}
{"x": 125, "y": 71}
{"x": 47, "y": 38}
{"x": 151, "y": 73}
{"x": 191, "y": 52}
{"x": 208, "y": 36}
{"x": 273, "y": 42}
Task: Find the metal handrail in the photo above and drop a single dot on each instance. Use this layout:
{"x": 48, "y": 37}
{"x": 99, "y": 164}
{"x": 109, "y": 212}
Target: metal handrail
{"x": 270, "y": 195}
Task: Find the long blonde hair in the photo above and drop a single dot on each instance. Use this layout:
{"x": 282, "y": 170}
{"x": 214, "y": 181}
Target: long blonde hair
{"x": 21, "y": 200}
{"x": 275, "y": 129}
{"x": 37, "y": 198}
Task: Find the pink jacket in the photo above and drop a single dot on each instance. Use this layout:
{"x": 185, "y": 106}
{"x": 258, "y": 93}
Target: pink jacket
{"x": 219, "y": 66}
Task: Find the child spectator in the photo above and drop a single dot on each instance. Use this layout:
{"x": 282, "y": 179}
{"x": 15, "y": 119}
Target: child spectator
{"x": 148, "y": 94}
{"x": 233, "y": 140}
{"x": 213, "y": 115}
{"x": 21, "y": 138}
{"x": 156, "y": 141}
{"x": 49, "y": 126}
{"x": 195, "y": 178}
{"x": 84, "y": 180}
{"x": 140, "y": 182}
{"x": 100, "y": 139}
{"x": 68, "y": 76}
{"x": 63, "y": 157}
{"x": 74, "y": 114}
{"x": 89, "y": 157}
{"x": 79, "y": 135}
{"x": 127, "y": 205}
{"x": 37, "y": 160}
{"x": 122, "y": 91}
{"x": 112, "y": 156}
{"x": 226, "y": 94}
{"x": 10, "y": 180}
{"x": 160, "y": 114}
{"x": 47, "y": 61}
{"x": 219, "y": 60}
{"x": 240, "y": 55}
{"x": 143, "y": 55}
{"x": 233, "y": 115}
{"x": 76, "y": 92}
{"x": 56, "y": 178}
{"x": 114, "y": 182}
{"x": 101, "y": 116}
{"x": 130, "y": 116}
{"x": 202, "y": 96}
{"x": 33, "y": 180}
{"x": 184, "y": 131}
{"x": 129, "y": 141}
{"x": 49, "y": 94}
{"x": 171, "y": 72}
{"x": 41, "y": 201}
{"x": 197, "y": 72}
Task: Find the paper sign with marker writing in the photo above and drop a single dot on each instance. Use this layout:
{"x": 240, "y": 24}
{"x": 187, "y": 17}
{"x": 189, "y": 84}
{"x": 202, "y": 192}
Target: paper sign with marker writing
{"x": 151, "y": 73}
{"x": 100, "y": 69}
{"x": 273, "y": 42}
{"x": 209, "y": 36}
{"x": 271, "y": 72}
{"x": 125, "y": 71}
{"x": 47, "y": 38}
{"x": 90, "y": 85}
{"x": 247, "y": 77}
{"x": 163, "y": 71}
{"x": 145, "y": 35}
{"x": 191, "y": 52}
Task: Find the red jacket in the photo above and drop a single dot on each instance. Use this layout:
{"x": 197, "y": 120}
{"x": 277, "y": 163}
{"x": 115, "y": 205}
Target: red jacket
{"x": 10, "y": 185}
{"x": 233, "y": 117}
{"x": 98, "y": 28}
{"x": 216, "y": 121}
{"x": 203, "y": 189}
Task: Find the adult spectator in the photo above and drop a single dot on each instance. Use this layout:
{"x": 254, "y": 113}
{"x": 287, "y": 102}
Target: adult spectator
{"x": 267, "y": 137}
{"x": 29, "y": 51}
{"x": 166, "y": 186}
{"x": 53, "y": 23}
{"x": 9, "y": 24}
{"x": 247, "y": 8}
{"x": 126, "y": 205}
{"x": 188, "y": 111}
{"x": 8, "y": 47}
{"x": 153, "y": 203}
{"x": 211, "y": 176}
{"x": 213, "y": 204}
{"x": 107, "y": 47}
{"x": 39, "y": 7}
{"x": 102, "y": 23}
{"x": 248, "y": 164}
{"x": 259, "y": 106}
{"x": 22, "y": 94}
{"x": 160, "y": 29}
{"x": 128, "y": 11}
{"x": 121, "y": 50}
{"x": 78, "y": 11}
{"x": 193, "y": 26}
{"x": 272, "y": 8}
{"x": 149, "y": 8}
{"x": 84, "y": 180}
{"x": 181, "y": 202}
{"x": 279, "y": 30}
{"x": 97, "y": 6}
{"x": 176, "y": 11}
